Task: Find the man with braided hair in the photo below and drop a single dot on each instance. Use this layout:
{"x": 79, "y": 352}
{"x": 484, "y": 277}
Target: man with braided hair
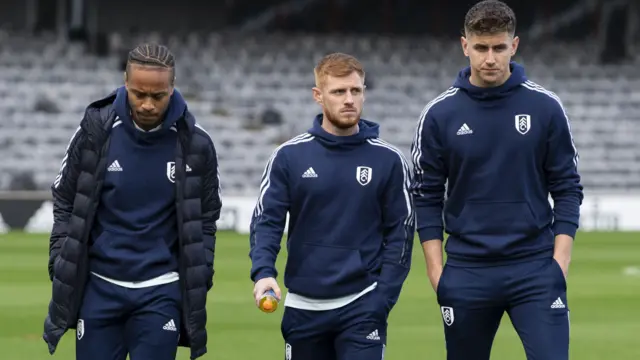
{"x": 135, "y": 206}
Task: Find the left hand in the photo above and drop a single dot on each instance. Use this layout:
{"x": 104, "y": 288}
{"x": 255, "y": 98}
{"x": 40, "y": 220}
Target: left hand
{"x": 564, "y": 265}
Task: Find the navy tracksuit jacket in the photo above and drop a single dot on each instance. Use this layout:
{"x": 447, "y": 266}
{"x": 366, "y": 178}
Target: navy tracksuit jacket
{"x": 135, "y": 234}
{"x": 351, "y": 225}
{"x": 500, "y": 152}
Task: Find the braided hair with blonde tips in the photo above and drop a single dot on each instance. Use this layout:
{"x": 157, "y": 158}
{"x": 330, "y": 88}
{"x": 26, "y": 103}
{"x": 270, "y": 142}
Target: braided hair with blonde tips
{"x": 152, "y": 55}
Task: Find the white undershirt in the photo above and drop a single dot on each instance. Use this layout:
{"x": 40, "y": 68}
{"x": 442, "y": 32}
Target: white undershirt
{"x": 305, "y": 303}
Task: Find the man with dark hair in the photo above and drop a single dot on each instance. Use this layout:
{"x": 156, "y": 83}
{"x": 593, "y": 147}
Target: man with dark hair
{"x": 502, "y": 144}
{"x": 135, "y": 206}
{"x": 351, "y": 225}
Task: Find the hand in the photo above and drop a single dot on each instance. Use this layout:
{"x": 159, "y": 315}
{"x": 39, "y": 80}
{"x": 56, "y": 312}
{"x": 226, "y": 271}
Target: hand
{"x": 264, "y": 285}
{"x": 564, "y": 265}
{"x": 562, "y": 252}
{"x": 434, "y": 278}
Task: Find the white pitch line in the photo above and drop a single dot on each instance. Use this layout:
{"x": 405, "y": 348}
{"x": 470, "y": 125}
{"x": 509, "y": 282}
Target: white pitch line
{"x": 631, "y": 271}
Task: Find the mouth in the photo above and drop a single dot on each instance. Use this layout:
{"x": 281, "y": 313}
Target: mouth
{"x": 146, "y": 117}
{"x": 348, "y": 111}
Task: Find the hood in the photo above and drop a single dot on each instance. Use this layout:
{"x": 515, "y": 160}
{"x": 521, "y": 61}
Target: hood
{"x": 175, "y": 111}
{"x": 491, "y": 93}
{"x": 366, "y": 130}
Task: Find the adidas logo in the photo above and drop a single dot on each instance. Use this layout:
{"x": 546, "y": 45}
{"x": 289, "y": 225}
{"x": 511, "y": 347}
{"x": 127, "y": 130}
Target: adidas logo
{"x": 558, "y": 304}
{"x": 310, "y": 173}
{"x": 464, "y": 130}
{"x": 170, "y": 326}
{"x": 115, "y": 166}
{"x": 374, "y": 335}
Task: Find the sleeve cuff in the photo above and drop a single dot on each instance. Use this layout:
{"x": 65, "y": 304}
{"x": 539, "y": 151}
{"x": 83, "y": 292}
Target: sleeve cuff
{"x": 264, "y": 273}
{"x": 565, "y": 228}
{"x": 430, "y": 233}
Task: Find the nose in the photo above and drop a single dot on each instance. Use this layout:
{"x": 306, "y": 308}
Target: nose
{"x": 348, "y": 99}
{"x": 147, "y": 105}
{"x": 491, "y": 59}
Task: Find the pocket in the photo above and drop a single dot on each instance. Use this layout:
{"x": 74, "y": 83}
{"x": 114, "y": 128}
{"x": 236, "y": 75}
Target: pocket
{"x": 173, "y": 291}
{"x": 559, "y": 274}
{"x": 441, "y": 282}
{"x": 492, "y": 218}
{"x": 162, "y": 244}
{"x": 328, "y": 263}
{"x": 321, "y": 269}
{"x": 379, "y": 310}
{"x": 129, "y": 250}
{"x": 102, "y": 239}
{"x": 289, "y": 322}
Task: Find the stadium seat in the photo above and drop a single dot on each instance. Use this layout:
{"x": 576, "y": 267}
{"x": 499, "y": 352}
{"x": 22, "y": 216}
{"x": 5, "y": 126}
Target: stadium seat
{"x": 229, "y": 80}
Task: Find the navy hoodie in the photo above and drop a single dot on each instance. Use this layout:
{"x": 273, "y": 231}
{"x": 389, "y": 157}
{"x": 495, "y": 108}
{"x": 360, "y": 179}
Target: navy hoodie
{"x": 503, "y": 151}
{"x": 351, "y": 220}
{"x": 135, "y": 236}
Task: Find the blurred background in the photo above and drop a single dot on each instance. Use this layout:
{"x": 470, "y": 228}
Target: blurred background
{"x": 246, "y": 70}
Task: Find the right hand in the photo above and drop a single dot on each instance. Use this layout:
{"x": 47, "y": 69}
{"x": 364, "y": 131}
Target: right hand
{"x": 434, "y": 278}
{"x": 264, "y": 285}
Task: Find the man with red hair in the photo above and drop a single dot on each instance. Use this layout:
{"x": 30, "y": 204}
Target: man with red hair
{"x": 351, "y": 225}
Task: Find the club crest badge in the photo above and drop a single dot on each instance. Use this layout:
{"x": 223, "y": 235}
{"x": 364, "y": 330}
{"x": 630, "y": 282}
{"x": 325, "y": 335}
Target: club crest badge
{"x": 171, "y": 171}
{"x": 523, "y": 123}
{"x": 363, "y": 175}
{"x": 288, "y": 352}
{"x": 80, "y": 329}
{"x": 447, "y": 315}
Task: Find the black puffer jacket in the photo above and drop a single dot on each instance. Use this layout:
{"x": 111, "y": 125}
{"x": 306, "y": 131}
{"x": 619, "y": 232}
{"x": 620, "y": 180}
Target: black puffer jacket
{"x": 76, "y": 193}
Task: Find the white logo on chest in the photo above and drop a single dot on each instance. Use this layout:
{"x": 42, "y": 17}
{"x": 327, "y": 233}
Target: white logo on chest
{"x": 363, "y": 175}
{"x": 115, "y": 166}
{"x": 171, "y": 171}
{"x": 310, "y": 173}
{"x": 464, "y": 130}
{"x": 523, "y": 123}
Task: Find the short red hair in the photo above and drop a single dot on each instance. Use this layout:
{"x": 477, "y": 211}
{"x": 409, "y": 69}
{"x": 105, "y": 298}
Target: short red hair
{"x": 337, "y": 65}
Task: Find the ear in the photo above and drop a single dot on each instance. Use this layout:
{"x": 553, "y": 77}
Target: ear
{"x": 317, "y": 95}
{"x": 465, "y": 45}
{"x": 126, "y": 81}
{"x": 514, "y": 45}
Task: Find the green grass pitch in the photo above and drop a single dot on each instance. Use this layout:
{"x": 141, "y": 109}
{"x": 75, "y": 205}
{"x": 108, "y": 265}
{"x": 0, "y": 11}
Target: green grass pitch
{"x": 603, "y": 298}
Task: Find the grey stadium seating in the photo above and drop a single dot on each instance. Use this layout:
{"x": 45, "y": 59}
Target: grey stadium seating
{"x": 229, "y": 80}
